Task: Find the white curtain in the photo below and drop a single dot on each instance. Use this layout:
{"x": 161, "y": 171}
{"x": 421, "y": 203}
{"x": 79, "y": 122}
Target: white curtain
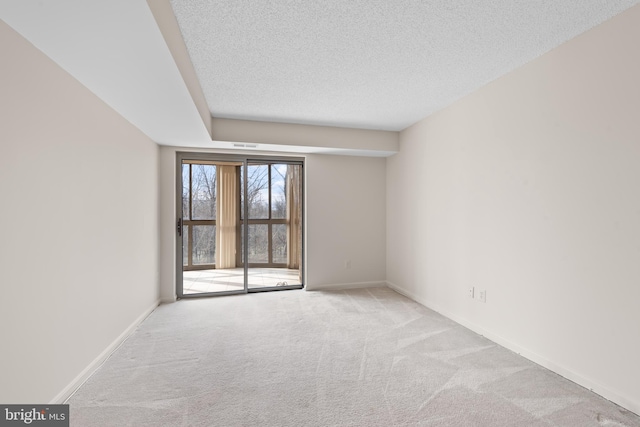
{"x": 226, "y": 216}
{"x": 294, "y": 216}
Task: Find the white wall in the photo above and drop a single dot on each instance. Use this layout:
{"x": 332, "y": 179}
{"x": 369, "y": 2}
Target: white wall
{"x": 167, "y": 218}
{"x": 78, "y": 252}
{"x": 346, "y": 213}
{"x": 528, "y": 189}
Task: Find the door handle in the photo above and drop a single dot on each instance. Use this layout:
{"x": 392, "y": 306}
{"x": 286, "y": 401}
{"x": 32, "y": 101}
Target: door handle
{"x": 179, "y": 226}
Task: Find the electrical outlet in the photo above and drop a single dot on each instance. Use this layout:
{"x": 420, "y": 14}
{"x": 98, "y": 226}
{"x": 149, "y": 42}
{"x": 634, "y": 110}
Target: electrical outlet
{"x": 471, "y": 292}
{"x": 483, "y": 296}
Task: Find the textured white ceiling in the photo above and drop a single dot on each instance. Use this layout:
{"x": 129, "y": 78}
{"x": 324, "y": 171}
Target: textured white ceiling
{"x": 376, "y": 64}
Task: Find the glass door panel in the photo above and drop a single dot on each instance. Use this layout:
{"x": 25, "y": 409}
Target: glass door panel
{"x": 210, "y": 227}
{"x": 274, "y": 210}
{"x": 200, "y": 227}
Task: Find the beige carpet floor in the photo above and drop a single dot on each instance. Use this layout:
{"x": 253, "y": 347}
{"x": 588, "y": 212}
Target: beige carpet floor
{"x": 366, "y": 357}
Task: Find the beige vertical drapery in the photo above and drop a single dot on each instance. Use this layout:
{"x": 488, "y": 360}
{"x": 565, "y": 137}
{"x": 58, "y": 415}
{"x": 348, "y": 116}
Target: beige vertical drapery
{"x": 226, "y": 216}
{"x": 294, "y": 216}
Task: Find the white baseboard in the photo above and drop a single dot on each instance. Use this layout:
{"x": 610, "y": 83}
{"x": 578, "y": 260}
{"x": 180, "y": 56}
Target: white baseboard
{"x": 353, "y": 285}
{"x": 68, "y": 391}
{"x": 168, "y": 300}
{"x": 563, "y": 371}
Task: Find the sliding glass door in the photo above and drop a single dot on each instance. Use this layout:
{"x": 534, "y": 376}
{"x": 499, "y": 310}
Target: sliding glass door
{"x": 239, "y": 224}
